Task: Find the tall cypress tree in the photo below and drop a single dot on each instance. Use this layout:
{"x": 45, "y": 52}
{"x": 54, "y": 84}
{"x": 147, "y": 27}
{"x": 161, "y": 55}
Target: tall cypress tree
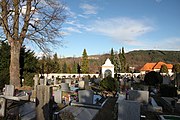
{"x": 122, "y": 59}
{"x": 112, "y": 56}
{"x": 117, "y": 64}
{"x": 85, "y": 62}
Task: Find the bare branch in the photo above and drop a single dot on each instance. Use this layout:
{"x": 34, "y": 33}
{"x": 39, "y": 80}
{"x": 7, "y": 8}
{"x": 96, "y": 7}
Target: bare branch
{"x": 26, "y": 20}
{"x": 36, "y": 20}
{"x": 4, "y": 19}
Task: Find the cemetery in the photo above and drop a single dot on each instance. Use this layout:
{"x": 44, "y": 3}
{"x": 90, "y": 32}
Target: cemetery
{"x": 118, "y": 85}
{"x": 80, "y": 98}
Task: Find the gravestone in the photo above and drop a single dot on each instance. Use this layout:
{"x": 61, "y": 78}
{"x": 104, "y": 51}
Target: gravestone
{"x": 128, "y": 110}
{"x": 36, "y": 81}
{"x": 45, "y": 80}
{"x": 166, "y": 80}
{"x": 81, "y": 84}
{"x": 86, "y": 84}
{"x": 9, "y": 90}
{"x": 65, "y": 87}
{"x": 138, "y": 95}
{"x": 85, "y": 96}
{"x": 2, "y": 107}
{"x": 41, "y": 81}
{"x": 68, "y": 81}
{"x": 44, "y": 102}
{"x": 58, "y": 96}
{"x": 55, "y": 81}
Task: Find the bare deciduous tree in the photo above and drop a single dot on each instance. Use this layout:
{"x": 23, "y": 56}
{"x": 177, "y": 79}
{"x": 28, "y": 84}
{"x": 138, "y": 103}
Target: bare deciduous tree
{"x": 39, "y": 21}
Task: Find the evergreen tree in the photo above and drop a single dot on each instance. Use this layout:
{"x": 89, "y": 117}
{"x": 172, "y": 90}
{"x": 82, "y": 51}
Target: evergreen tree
{"x": 176, "y": 68}
{"x": 30, "y": 66}
{"x": 122, "y": 59}
{"x": 116, "y": 64}
{"x": 4, "y": 64}
{"x": 163, "y": 69}
{"x": 74, "y": 69}
{"x": 56, "y": 64}
{"x": 64, "y": 70}
{"x": 112, "y": 56}
{"x": 78, "y": 69}
{"x": 49, "y": 66}
{"x": 85, "y": 62}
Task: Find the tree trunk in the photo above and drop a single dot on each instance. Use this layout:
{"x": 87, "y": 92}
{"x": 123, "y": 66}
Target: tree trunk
{"x": 14, "y": 64}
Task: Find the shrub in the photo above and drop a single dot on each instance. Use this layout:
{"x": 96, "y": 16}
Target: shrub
{"x": 109, "y": 84}
{"x": 153, "y": 78}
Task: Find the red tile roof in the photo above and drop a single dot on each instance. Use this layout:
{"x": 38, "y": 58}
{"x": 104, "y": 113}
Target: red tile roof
{"x": 148, "y": 67}
{"x": 152, "y": 66}
{"x": 159, "y": 64}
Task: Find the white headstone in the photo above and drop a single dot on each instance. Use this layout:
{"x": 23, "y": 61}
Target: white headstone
{"x": 85, "y": 96}
{"x": 9, "y": 90}
{"x": 45, "y": 80}
{"x": 41, "y": 81}
{"x": 81, "y": 84}
{"x": 128, "y": 110}
{"x": 2, "y": 107}
{"x": 58, "y": 96}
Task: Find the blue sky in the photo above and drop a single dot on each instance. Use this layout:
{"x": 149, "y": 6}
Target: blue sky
{"x": 99, "y": 25}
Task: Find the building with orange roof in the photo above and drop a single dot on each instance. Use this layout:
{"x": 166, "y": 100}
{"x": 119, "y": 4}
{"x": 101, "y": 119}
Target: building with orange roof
{"x": 155, "y": 67}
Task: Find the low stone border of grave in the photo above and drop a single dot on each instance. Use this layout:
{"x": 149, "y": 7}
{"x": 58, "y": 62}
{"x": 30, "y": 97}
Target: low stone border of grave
{"x": 167, "y": 103}
{"x": 156, "y": 108}
{"x": 76, "y": 104}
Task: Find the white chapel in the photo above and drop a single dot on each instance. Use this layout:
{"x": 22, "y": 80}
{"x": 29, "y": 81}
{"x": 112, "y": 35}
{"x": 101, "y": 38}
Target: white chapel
{"x": 108, "y": 69}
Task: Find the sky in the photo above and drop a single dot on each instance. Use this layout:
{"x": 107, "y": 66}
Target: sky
{"x": 99, "y": 25}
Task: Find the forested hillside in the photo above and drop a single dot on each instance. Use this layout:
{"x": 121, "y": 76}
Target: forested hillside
{"x": 139, "y": 58}
{"x": 134, "y": 58}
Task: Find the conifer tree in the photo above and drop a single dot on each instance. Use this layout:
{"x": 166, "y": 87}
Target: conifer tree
{"x": 116, "y": 63}
{"x": 85, "y": 62}
{"x": 4, "y": 63}
{"x": 56, "y": 64}
{"x": 122, "y": 59}
{"x": 163, "y": 69}
{"x": 64, "y": 70}
{"x": 74, "y": 69}
{"x": 176, "y": 68}
{"x": 112, "y": 56}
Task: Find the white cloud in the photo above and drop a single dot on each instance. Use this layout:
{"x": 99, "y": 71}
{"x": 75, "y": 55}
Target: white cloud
{"x": 39, "y": 54}
{"x": 122, "y": 29}
{"x": 72, "y": 22}
{"x": 89, "y": 9}
{"x": 169, "y": 43}
{"x": 72, "y": 29}
{"x": 70, "y": 13}
{"x": 83, "y": 16}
